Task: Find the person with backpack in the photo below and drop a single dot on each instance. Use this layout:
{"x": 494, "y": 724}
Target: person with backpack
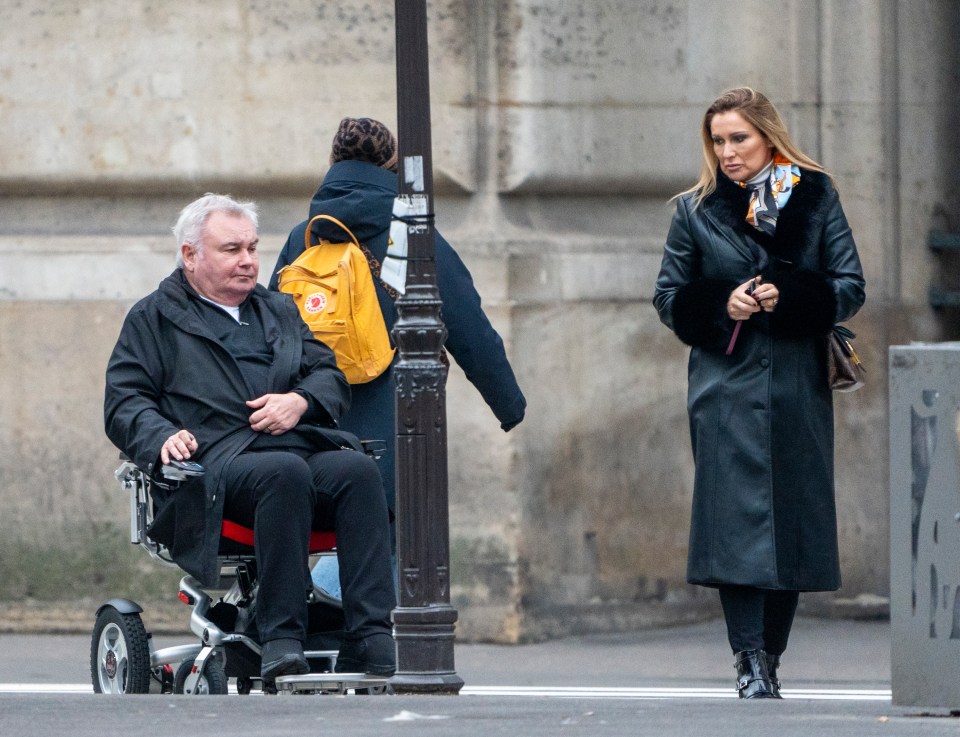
{"x": 359, "y": 191}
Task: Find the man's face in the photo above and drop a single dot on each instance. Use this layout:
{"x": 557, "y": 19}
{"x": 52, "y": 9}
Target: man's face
{"x": 225, "y": 266}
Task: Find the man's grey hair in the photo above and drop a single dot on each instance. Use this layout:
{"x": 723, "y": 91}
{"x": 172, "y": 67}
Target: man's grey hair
{"x": 193, "y": 219}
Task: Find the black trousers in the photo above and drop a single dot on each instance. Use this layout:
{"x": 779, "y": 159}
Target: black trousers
{"x": 758, "y": 619}
{"x": 282, "y": 496}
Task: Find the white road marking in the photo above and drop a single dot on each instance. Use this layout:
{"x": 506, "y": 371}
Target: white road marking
{"x": 557, "y": 692}
{"x": 575, "y": 692}
{"x": 60, "y": 688}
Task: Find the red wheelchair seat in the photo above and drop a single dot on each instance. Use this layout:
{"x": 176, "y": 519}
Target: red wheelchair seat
{"x": 320, "y": 541}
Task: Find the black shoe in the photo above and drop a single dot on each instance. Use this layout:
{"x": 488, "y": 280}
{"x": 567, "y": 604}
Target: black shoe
{"x": 753, "y": 680}
{"x": 374, "y": 655}
{"x": 773, "y": 662}
{"x": 282, "y": 657}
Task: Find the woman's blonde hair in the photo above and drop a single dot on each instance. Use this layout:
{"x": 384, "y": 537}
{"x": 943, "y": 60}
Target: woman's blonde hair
{"x": 757, "y": 110}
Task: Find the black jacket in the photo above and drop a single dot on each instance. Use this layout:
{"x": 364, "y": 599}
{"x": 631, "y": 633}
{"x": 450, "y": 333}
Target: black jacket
{"x": 361, "y": 195}
{"x": 169, "y": 372}
{"x": 761, "y": 419}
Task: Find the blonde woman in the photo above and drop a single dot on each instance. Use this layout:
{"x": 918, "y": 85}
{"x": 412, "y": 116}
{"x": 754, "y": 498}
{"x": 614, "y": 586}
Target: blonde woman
{"x": 759, "y": 264}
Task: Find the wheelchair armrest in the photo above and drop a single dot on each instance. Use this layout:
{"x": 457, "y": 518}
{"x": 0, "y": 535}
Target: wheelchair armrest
{"x": 138, "y": 484}
{"x": 181, "y": 470}
{"x": 374, "y": 448}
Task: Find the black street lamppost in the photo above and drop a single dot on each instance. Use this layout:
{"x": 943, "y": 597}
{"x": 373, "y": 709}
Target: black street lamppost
{"x": 423, "y": 623}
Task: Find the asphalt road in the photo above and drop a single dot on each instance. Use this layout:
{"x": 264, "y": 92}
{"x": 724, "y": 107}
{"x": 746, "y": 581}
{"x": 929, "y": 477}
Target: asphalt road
{"x": 676, "y": 681}
{"x": 146, "y": 716}
{"x": 822, "y": 653}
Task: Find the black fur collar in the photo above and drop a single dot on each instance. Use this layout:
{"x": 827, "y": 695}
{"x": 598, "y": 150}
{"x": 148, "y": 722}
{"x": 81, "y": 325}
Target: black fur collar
{"x": 798, "y": 225}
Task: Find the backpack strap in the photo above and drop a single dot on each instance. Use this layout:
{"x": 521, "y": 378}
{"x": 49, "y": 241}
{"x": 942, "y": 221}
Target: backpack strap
{"x": 372, "y": 261}
{"x": 306, "y": 235}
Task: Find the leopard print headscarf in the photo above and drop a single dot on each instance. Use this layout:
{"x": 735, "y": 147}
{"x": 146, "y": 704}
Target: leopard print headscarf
{"x": 365, "y": 139}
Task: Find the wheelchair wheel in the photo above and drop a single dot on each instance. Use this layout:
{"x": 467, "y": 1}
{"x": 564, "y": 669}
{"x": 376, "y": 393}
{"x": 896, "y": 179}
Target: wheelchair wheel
{"x": 372, "y": 691}
{"x": 212, "y": 682}
{"x": 119, "y": 654}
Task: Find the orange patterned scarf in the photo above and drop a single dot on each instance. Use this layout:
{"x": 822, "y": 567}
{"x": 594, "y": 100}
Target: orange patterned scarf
{"x": 768, "y": 196}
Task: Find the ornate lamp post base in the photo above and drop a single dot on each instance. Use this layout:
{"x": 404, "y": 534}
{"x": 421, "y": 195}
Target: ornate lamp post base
{"x": 425, "y": 638}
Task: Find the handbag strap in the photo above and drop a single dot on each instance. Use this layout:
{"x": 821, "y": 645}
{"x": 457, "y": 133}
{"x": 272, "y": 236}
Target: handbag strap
{"x": 844, "y": 332}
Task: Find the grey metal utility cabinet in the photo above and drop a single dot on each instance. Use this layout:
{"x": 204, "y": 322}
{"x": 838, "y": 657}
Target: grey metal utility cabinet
{"x": 925, "y": 524}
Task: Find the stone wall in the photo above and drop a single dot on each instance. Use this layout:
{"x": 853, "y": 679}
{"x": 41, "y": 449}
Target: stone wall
{"x": 561, "y": 129}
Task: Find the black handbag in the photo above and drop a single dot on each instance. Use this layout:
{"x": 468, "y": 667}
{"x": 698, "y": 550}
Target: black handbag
{"x": 845, "y": 370}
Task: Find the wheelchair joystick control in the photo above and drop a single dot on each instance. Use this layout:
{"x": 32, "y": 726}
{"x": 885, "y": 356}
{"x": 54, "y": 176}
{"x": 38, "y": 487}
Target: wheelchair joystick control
{"x": 181, "y": 470}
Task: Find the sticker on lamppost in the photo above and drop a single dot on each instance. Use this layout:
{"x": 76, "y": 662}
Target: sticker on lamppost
{"x": 394, "y": 269}
{"x": 413, "y": 172}
{"x": 415, "y": 204}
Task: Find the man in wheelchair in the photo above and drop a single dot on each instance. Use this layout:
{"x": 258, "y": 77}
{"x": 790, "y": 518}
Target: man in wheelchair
{"x": 213, "y": 368}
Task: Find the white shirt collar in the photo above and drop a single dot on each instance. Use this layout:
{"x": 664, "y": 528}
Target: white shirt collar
{"x": 233, "y": 311}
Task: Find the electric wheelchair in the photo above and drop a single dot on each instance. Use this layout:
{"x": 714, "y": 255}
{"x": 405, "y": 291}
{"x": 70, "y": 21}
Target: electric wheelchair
{"x": 123, "y": 659}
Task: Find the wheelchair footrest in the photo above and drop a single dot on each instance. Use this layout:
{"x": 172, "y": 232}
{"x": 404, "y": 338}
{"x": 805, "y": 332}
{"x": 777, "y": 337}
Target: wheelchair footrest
{"x": 334, "y": 683}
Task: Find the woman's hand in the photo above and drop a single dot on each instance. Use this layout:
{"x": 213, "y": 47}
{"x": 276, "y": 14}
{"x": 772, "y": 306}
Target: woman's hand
{"x": 767, "y": 295}
{"x": 276, "y": 413}
{"x": 741, "y": 304}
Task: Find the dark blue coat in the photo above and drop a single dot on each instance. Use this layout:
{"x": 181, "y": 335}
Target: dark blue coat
{"x": 361, "y": 196}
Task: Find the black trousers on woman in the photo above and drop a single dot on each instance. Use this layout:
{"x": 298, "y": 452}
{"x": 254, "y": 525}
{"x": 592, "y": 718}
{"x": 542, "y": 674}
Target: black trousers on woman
{"x": 282, "y": 495}
{"x": 758, "y": 619}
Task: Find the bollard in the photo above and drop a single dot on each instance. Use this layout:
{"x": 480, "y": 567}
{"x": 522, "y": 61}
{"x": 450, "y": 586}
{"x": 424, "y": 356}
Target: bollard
{"x": 925, "y": 524}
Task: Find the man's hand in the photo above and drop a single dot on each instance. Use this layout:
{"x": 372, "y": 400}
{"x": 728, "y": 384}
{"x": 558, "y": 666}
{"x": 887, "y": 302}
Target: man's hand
{"x": 276, "y": 413}
{"x": 180, "y": 446}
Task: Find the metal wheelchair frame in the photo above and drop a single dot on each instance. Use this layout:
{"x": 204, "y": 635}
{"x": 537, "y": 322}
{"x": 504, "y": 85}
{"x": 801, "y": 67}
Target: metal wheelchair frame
{"x": 124, "y": 660}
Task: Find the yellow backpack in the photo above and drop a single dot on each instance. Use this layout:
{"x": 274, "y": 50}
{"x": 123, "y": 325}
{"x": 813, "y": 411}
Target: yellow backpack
{"x": 332, "y": 286}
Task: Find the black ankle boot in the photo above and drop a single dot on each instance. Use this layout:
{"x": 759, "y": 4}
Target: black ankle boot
{"x": 773, "y": 662}
{"x": 753, "y": 681}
